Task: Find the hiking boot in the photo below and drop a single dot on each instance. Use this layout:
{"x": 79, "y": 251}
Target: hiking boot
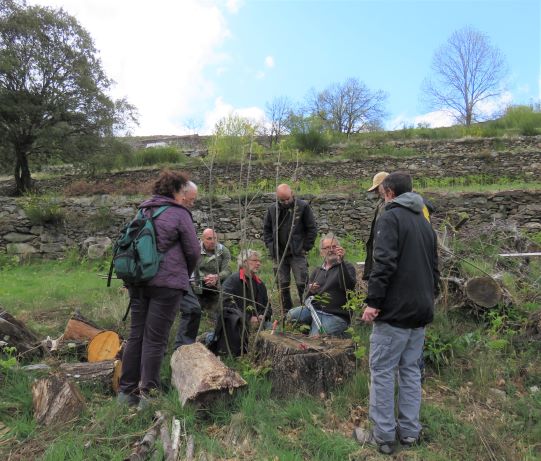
{"x": 365, "y": 437}
{"x": 127, "y": 399}
{"x": 409, "y": 441}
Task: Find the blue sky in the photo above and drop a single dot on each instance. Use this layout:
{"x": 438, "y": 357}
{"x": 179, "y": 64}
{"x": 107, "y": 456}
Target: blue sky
{"x": 189, "y": 63}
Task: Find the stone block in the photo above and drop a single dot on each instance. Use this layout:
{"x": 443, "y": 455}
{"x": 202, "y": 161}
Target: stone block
{"x": 20, "y": 249}
{"x": 15, "y": 237}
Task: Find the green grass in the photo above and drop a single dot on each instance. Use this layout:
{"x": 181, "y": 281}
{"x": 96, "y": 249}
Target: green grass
{"x": 459, "y": 420}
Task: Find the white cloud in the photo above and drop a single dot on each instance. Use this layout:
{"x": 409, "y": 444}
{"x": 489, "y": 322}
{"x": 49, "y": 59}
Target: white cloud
{"x": 432, "y": 119}
{"x": 156, "y": 53}
{"x": 260, "y": 74}
{"x": 233, "y": 6}
{"x": 495, "y": 106}
{"x": 269, "y": 62}
{"x": 222, "y": 109}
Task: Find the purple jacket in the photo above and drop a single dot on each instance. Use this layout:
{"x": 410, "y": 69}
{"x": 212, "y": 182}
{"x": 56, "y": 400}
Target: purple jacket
{"x": 177, "y": 241}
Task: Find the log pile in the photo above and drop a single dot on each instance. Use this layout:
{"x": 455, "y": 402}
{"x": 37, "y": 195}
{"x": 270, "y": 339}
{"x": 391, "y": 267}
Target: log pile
{"x": 304, "y": 365}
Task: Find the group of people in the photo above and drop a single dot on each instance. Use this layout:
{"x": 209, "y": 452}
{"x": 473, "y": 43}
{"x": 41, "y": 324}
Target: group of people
{"x": 401, "y": 270}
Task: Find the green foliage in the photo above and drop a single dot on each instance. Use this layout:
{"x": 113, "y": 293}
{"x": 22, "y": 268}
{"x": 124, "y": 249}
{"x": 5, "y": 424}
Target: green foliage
{"x": 234, "y": 139}
{"x": 308, "y": 134}
{"x": 522, "y": 120}
{"x": 157, "y": 156}
{"x": 438, "y": 351}
{"x": 43, "y": 209}
{"x": 7, "y": 357}
{"x": 52, "y": 88}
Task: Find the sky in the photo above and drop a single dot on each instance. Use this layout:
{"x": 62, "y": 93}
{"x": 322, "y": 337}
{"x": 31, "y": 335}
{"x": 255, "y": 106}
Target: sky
{"x": 185, "y": 64}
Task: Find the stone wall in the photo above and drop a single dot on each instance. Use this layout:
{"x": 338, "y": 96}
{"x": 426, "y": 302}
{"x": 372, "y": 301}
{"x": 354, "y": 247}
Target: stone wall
{"x": 343, "y": 214}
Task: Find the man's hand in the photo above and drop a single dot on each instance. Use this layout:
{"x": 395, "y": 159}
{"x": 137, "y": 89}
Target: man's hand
{"x": 211, "y": 280}
{"x": 369, "y": 314}
{"x": 340, "y": 252}
{"x": 313, "y": 287}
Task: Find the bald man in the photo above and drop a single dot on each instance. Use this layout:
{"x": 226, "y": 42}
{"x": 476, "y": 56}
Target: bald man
{"x": 212, "y": 269}
{"x": 289, "y": 232}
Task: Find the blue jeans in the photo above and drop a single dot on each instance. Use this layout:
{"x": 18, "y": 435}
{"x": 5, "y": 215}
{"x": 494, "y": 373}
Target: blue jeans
{"x": 393, "y": 349}
{"x": 332, "y": 324}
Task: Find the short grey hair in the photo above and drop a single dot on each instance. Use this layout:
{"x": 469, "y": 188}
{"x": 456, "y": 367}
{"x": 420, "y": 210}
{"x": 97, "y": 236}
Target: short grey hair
{"x": 188, "y": 186}
{"x": 329, "y": 236}
{"x": 244, "y": 255}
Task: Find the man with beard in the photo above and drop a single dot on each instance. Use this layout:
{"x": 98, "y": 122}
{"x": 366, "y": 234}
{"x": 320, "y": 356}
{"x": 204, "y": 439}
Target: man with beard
{"x": 289, "y": 232}
{"x": 328, "y": 284}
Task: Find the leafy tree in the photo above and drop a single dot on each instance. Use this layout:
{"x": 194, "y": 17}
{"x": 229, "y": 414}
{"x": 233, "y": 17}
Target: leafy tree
{"x": 349, "y": 107}
{"x": 277, "y": 111}
{"x": 233, "y": 136}
{"x": 53, "y": 90}
{"x": 308, "y": 133}
{"x": 468, "y": 70}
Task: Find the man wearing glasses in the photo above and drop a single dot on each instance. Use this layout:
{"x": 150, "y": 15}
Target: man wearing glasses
{"x": 328, "y": 284}
{"x": 289, "y": 232}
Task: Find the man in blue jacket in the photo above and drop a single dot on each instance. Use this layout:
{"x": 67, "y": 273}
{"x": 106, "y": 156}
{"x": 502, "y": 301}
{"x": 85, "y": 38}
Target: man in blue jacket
{"x": 401, "y": 290}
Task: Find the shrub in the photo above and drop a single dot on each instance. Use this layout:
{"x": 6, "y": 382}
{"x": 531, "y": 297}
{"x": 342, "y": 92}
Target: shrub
{"x": 157, "y": 156}
{"x": 42, "y": 209}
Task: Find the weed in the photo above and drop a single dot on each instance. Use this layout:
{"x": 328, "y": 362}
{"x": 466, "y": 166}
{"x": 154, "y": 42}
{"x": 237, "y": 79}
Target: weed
{"x": 42, "y": 209}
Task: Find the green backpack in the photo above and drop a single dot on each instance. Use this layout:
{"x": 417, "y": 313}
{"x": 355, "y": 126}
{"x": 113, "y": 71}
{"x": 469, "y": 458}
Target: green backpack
{"x": 136, "y": 258}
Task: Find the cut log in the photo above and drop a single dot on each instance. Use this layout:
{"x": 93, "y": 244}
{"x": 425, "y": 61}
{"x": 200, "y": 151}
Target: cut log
{"x": 68, "y": 350}
{"x": 15, "y": 334}
{"x": 201, "y": 377}
{"x": 103, "y": 346}
{"x": 79, "y": 327}
{"x": 105, "y": 372}
{"x": 56, "y": 400}
{"x": 483, "y": 291}
{"x": 304, "y": 365}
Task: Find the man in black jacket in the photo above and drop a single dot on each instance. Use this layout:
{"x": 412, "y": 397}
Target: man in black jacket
{"x": 289, "y": 232}
{"x": 401, "y": 291}
{"x": 329, "y": 285}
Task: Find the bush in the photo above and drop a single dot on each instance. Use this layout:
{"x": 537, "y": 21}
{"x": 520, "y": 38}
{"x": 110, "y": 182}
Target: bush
{"x": 42, "y": 209}
{"x": 157, "y": 156}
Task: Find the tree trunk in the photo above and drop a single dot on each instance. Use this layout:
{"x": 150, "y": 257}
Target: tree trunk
{"x": 201, "y": 377}
{"x": 106, "y": 372}
{"x": 483, "y": 291}
{"x": 15, "y": 334}
{"x": 304, "y": 365}
{"x": 56, "y": 400}
{"x": 23, "y": 179}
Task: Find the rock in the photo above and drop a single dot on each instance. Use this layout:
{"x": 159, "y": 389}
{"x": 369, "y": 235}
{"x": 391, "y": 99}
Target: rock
{"x": 534, "y": 389}
{"x": 20, "y": 249}
{"x": 97, "y": 251}
{"x": 497, "y": 393}
{"x": 52, "y": 248}
{"x": 14, "y": 237}
{"x": 532, "y": 225}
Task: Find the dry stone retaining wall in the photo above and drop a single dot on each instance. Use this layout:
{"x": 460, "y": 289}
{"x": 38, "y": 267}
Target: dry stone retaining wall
{"x": 342, "y": 214}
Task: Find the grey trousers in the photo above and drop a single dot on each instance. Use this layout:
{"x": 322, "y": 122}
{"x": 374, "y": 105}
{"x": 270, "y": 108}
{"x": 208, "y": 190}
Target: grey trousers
{"x": 299, "y": 266}
{"x": 395, "y": 349}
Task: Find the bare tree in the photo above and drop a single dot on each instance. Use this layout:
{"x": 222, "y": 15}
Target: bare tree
{"x": 349, "y": 107}
{"x": 277, "y": 112}
{"x": 468, "y": 70}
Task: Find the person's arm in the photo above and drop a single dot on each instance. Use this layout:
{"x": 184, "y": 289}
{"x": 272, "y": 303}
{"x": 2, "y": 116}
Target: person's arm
{"x": 229, "y": 291}
{"x": 225, "y": 269}
{"x": 310, "y": 227}
{"x": 268, "y": 236}
{"x": 188, "y": 240}
{"x": 386, "y": 247}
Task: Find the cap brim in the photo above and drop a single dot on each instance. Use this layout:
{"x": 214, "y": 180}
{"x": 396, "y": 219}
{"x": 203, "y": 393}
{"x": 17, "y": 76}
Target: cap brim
{"x": 373, "y": 188}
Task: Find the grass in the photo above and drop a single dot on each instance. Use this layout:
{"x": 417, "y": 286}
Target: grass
{"x": 461, "y": 417}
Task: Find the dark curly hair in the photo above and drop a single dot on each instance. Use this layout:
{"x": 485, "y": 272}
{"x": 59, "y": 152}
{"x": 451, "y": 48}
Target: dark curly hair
{"x": 169, "y": 182}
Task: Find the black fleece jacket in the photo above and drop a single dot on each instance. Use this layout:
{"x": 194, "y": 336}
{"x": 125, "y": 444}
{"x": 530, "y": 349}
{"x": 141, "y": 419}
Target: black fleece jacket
{"x": 405, "y": 278}
{"x": 333, "y": 285}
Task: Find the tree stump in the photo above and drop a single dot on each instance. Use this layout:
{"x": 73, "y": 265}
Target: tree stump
{"x": 15, "y": 334}
{"x": 56, "y": 400}
{"x": 483, "y": 291}
{"x": 304, "y": 365}
{"x": 201, "y": 377}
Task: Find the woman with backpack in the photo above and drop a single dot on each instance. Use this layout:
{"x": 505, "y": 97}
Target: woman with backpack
{"x": 154, "y": 304}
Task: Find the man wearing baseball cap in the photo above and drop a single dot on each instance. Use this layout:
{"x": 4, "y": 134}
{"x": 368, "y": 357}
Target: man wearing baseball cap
{"x": 380, "y": 208}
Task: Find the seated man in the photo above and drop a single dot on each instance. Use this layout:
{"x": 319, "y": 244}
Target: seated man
{"x": 211, "y": 271}
{"x": 328, "y": 284}
{"x": 245, "y": 307}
